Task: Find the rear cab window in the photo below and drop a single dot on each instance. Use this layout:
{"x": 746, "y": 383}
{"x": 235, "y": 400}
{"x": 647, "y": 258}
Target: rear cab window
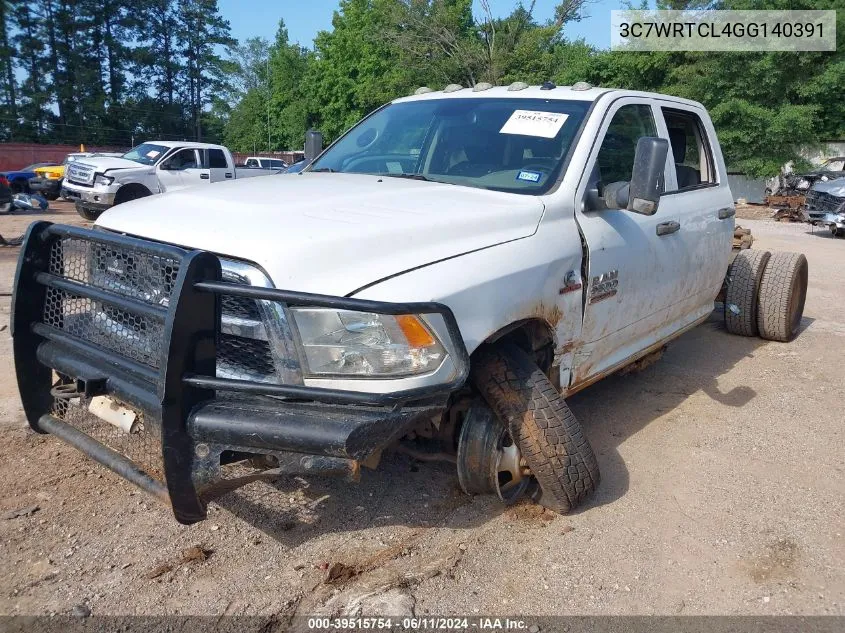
{"x": 691, "y": 150}
{"x": 215, "y": 159}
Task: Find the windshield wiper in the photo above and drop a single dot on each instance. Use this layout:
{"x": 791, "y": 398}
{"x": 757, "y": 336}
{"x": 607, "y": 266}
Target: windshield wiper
{"x": 327, "y": 170}
{"x": 411, "y": 177}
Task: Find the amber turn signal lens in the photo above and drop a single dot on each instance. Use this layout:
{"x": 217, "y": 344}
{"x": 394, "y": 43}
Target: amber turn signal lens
{"x": 414, "y": 331}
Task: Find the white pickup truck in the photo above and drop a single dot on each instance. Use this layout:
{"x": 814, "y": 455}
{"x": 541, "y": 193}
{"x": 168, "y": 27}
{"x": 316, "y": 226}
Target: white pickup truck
{"x": 447, "y": 272}
{"x": 263, "y": 162}
{"x": 98, "y": 183}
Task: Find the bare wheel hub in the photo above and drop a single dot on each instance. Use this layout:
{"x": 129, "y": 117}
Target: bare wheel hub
{"x": 489, "y": 461}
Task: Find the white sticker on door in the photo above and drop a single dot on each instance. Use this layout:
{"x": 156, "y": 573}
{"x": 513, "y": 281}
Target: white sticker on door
{"x": 534, "y": 123}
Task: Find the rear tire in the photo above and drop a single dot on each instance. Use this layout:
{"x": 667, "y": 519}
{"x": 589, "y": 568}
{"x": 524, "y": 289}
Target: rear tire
{"x": 783, "y": 292}
{"x": 744, "y": 277}
{"x": 549, "y": 437}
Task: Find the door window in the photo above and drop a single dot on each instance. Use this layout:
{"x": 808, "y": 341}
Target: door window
{"x": 183, "y": 159}
{"x": 690, "y": 149}
{"x": 616, "y": 156}
{"x": 216, "y": 159}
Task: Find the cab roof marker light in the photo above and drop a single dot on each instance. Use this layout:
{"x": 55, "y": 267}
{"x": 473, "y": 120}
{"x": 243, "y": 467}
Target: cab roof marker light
{"x": 422, "y": 90}
{"x": 582, "y": 85}
{"x": 453, "y": 88}
{"x": 517, "y": 85}
{"x": 548, "y": 85}
{"x": 481, "y": 86}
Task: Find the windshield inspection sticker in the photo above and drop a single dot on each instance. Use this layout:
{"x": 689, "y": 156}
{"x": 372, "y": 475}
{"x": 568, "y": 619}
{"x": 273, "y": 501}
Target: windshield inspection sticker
{"x": 534, "y": 123}
{"x": 529, "y": 176}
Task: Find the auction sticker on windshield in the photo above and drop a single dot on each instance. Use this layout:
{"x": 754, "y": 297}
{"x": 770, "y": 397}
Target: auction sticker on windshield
{"x": 534, "y": 123}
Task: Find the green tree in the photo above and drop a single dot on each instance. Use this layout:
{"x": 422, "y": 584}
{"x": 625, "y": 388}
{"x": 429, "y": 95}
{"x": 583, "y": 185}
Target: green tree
{"x": 354, "y": 69}
{"x": 8, "y": 113}
{"x": 201, "y": 31}
{"x": 288, "y": 100}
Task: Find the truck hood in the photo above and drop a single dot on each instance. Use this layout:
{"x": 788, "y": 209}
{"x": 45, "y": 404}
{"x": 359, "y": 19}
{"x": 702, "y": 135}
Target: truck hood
{"x": 833, "y": 187}
{"x": 330, "y": 233}
{"x": 104, "y": 163}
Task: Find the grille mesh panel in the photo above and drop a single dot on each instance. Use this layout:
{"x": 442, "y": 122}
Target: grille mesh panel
{"x": 143, "y": 446}
{"x": 242, "y": 307}
{"x": 127, "y": 272}
{"x": 130, "y": 335}
{"x": 245, "y": 359}
{"x": 150, "y": 278}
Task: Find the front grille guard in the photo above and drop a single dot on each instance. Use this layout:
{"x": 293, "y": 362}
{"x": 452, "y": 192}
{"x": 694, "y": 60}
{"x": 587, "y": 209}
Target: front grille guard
{"x": 169, "y": 381}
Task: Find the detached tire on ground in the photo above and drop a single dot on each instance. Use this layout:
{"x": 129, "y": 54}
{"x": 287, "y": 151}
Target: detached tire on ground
{"x": 548, "y": 435}
{"x": 744, "y": 277}
{"x": 783, "y": 291}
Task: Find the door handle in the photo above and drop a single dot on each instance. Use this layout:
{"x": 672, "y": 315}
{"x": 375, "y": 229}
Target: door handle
{"x": 665, "y": 228}
{"x": 204, "y": 176}
{"x": 228, "y": 175}
{"x": 727, "y": 212}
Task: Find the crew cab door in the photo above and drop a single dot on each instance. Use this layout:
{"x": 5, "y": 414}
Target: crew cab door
{"x": 698, "y": 196}
{"x": 637, "y": 266}
{"x": 183, "y": 168}
{"x": 220, "y": 166}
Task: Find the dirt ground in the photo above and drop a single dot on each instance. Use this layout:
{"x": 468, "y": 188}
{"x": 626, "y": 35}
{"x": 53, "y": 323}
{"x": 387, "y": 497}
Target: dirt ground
{"x": 723, "y": 492}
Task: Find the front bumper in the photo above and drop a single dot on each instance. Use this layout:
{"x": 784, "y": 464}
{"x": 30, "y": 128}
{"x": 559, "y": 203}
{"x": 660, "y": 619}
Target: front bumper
{"x": 824, "y": 218}
{"x": 48, "y": 186}
{"x": 79, "y": 335}
{"x": 90, "y": 199}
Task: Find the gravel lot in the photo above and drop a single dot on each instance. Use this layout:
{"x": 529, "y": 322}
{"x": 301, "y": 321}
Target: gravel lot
{"x": 722, "y": 493}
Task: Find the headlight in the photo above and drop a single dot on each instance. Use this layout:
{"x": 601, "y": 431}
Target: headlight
{"x": 348, "y": 343}
{"x": 803, "y": 184}
{"x": 99, "y": 179}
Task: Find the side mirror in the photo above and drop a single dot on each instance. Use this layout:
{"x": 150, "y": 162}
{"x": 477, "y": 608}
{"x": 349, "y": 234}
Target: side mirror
{"x": 642, "y": 194}
{"x": 165, "y": 167}
{"x": 313, "y": 144}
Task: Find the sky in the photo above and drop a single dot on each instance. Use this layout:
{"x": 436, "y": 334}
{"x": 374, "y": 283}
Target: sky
{"x": 251, "y": 18}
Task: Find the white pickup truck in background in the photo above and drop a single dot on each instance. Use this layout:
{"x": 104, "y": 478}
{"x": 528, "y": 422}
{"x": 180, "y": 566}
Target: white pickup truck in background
{"x": 263, "y": 162}
{"x": 99, "y": 183}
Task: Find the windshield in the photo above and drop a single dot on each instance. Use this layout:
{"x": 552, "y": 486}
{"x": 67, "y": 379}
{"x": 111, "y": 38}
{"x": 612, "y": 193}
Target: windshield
{"x": 505, "y": 144}
{"x": 145, "y": 153}
{"x": 834, "y": 164}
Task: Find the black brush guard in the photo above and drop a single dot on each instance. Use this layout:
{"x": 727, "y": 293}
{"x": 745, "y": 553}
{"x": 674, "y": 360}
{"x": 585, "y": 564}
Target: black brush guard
{"x": 193, "y": 415}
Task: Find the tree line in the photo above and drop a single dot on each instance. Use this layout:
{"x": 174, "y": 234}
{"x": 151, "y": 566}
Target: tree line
{"x": 766, "y": 106}
{"x": 107, "y": 72}
{"x": 112, "y": 70}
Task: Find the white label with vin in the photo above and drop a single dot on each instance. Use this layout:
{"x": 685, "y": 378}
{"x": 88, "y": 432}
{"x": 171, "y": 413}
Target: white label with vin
{"x": 534, "y": 123}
